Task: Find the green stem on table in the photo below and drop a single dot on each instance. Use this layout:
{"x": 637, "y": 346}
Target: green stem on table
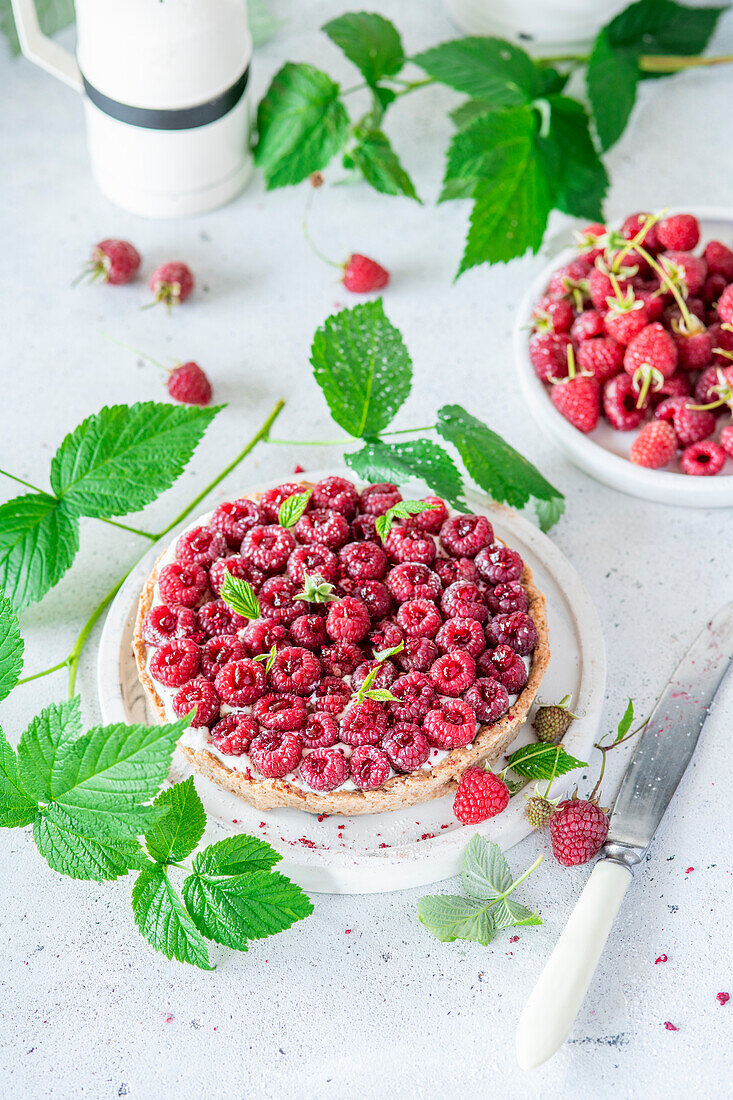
{"x": 75, "y": 655}
{"x": 135, "y": 351}
{"x": 21, "y": 481}
{"x": 310, "y": 442}
{"x": 309, "y": 240}
{"x": 45, "y": 671}
{"x": 671, "y": 63}
{"x": 132, "y": 530}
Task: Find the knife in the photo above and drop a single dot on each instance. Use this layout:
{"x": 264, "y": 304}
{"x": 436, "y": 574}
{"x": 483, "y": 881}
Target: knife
{"x": 657, "y": 766}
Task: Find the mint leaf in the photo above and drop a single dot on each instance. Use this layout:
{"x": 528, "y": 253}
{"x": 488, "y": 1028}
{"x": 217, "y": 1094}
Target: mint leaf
{"x": 71, "y": 850}
{"x": 11, "y": 647}
{"x": 239, "y": 855}
{"x": 39, "y": 539}
{"x": 45, "y": 747}
{"x": 491, "y": 461}
{"x": 301, "y": 124}
{"x": 17, "y": 808}
{"x": 489, "y": 68}
{"x": 401, "y": 510}
{"x": 240, "y": 596}
{"x": 380, "y": 166}
{"x": 370, "y": 41}
{"x": 163, "y": 921}
{"x": 508, "y": 913}
{"x": 53, "y": 15}
{"x": 233, "y": 907}
{"x": 292, "y": 509}
{"x": 485, "y": 873}
{"x": 549, "y": 511}
{"x": 537, "y": 761}
{"x": 580, "y": 177}
{"x": 125, "y": 456}
{"x": 450, "y": 917}
{"x": 363, "y": 367}
{"x": 176, "y": 835}
{"x": 420, "y": 458}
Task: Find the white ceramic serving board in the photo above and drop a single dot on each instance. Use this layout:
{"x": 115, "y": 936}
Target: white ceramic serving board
{"x": 604, "y": 452}
{"x": 421, "y": 844}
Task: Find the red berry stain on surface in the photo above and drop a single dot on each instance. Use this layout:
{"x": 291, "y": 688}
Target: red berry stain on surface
{"x": 723, "y": 998}
{"x": 670, "y": 1026}
{"x": 660, "y": 959}
{"x": 169, "y": 1019}
{"x": 305, "y": 842}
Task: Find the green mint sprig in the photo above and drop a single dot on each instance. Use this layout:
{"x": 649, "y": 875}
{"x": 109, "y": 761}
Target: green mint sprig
{"x": 488, "y": 907}
{"x": 401, "y": 510}
{"x": 292, "y": 508}
{"x": 240, "y": 596}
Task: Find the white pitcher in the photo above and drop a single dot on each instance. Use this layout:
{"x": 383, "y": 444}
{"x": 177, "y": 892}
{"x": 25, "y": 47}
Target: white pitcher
{"x": 164, "y": 88}
{"x": 540, "y": 26}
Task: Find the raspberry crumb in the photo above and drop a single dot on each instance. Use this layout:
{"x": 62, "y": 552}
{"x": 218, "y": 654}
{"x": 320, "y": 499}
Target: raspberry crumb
{"x": 347, "y": 931}
{"x": 298, "y": 469}
{"x": 383, "y": 845}
{"x": 661, "y": 959}
{"x": 513, "y": 939}
{"x": 689, "y": 869}
{"x": 322, "y": 817}
{"x": 723, "y": 998}
{"x": 670, "y": 1026}
{"x": 169, "y": 1019}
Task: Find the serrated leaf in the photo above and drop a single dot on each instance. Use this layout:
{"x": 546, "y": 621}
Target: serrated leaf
{"x": 11, "y": 647}
{"x": 236, "y": 907}
{"x": 68, "y": 849}
{"x": 45, "y": 747}
{"x": 292, "y": 508}
{"x": 39, "y": 539}
{"x": 163, "y": 921}
{"x": 238, "y": 855}
{"x": 401, "y": 510}
{"x": 240, "y": 596}
{"x": 17, "y": 808}
{"x": 549, "y": 511}
{"x": 493, "y": 464}
{"x": 450, "y": 917}
{"x": 301, "y": 124}
{"x": 124, "y": 456}
{"x": 176, "y": 835}
{"x": 377, "y": 161}
{"x": 485, "y": 873}
{"x": 489, "y": 68}
{"x": 363, "y": 367}
{"x": 53, "y": 16}
{"x": 370, "y": 42}
{"x": 470, "y": 110}
{"x": 508, "y": 913}
{"x": 611, "y": 78}
{"x": 538, "y": 761}
{"x": 400, "y": 462}
{"x": 581, "y": 179}
{"x": 380, "y": 695}
{"x": 625, "y": 724}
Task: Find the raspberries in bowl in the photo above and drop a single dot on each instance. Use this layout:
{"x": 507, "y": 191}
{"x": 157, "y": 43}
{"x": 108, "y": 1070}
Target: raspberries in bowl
{"x": 358, "y": 673}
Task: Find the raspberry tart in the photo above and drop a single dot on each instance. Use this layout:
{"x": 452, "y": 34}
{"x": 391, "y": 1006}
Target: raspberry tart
{"x": 375, "y": 672}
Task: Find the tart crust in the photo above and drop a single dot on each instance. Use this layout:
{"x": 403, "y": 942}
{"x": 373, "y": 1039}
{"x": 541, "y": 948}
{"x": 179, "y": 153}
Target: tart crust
{"x": 490, "y": 743}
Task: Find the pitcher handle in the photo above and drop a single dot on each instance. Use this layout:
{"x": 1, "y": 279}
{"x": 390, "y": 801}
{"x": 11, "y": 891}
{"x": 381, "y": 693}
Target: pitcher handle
{"x": 40, "y": 49}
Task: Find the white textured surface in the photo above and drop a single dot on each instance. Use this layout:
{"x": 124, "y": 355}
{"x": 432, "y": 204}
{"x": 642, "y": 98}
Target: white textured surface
{"x": 88, "y": 1009}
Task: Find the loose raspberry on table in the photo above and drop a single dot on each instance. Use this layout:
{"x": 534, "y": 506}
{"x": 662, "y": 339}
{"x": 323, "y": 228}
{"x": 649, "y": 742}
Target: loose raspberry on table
{"x": 578, "y": 829}
{"x": 602, "y": 357}
{"x": 188, "y": 384}
{"x": 271, "y": 500}
{"x": 464, "y": 600}
{"x": 295, "y": 670}
{"x": 620, "y": 404}
{"x": 165, "y": 622}
{"x": 321, "y": 730}
{"x": 413, "y": 580}
{"x": 341, "y": 658}
{"x": 516, "y": 630}
{"x": 453, "y": 673}
{"x": 505, "y": 598}
{"x": 364, "y": 529}
{"x": 275, "y": 754}
{"x": 234, "y": 518}
{"x": 241, "y": 682}
{"x": 384, "y": 635}
{"x": 315, "y": 561}
{"x": 416, "y": 693}
{"x": 690, "y": 425}
{"x": 450, "y": 570}
{"x": 198, "y": 695}
{"x": 114, "y": 261}
{"x": 219, "y": 651}
{"x": 450, "y": 725}
{"x": 578, "y": 399}
{"x": 404, "y": 545}
{"x": 430, "y": 521}
{"x": 461, "y": 634}
{"x": 419, "y": 618}
{"x": 362, "y": 275}
{"x": 363, "y": 561}
{"x": 309, "y": 631}
{"x": 201, "y": 545}
{"x": 368, "y": 767}
{"x": 324, "y": 769}
{"x": 347, "y": 620}
{"x": 480, "y": 795}
{"x": 488, "y": 699}
{"x": 498, "y": 564}
{"x": 322, "y": 526}
{"x": 216, "y": 617}
{"x": 172, "y": 282}
{"x": 280, "y": 712}
{"x": 232, "y": 734}
{"x": 182, "y": 583}
{"x": 406, "y": 746}
{"x": 385, "y": 677}
{"x": 363, "y": 723}
{"x": 418, "y": 655}
{"x": 331, "y": 694}
{"x": 377, "y": 499}
{"x": 268, "y": 547}
{"x": 239, "y": 567}
{"x": 376, "y": 596}
{"x": 277, "y": 600}
{"x": 465, "y": 536}
{"x": 654, "y": 446}
{"x": 261, "y": 635}
{"x": 703, "y": 459}
{"x": 338, "y": 494}
{"x": 175, "y": 663}
{"x": 548, "y": 354}
{"x": 504, "y": 665}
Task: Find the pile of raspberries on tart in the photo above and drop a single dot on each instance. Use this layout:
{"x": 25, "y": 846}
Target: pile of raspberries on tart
{"x": 638, "y": 331}
{"x": 287, "y": 729}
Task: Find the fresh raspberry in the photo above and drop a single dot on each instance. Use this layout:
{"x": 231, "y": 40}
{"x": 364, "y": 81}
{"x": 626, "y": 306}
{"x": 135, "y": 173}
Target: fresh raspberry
{"x": 416, "y": 693}
{"x": 412, "y": 580}
{"x": 164, "y": 622}
{"x": 587, "y": 325}
{"x": 626, "y": 320}
{"x": 261, "y": 635}
{"x": 654, "y": 446}
{"x": 677, "y": 385}
{"x": 283, "y": 713}
{"x": 712, "y": 288}
{"x": 686, "y": 271}
{"x": 216, "y": 617}
{"x": 464, "y": 536}
{"x": 406, "y": 747}
{"x": 705, "y": 388}
{"x": 726, "y": 440}
{"x": 516, "y": 630}
{"x": 377, "y": 499}
{"x": 241, "y": 682}
{"x": 650, "y": 357}
{"x": 200, "y": 695}
{"x": 316, "y": 561}
{"x": 341, "y": 658}
{"x": 450, "y": 570}
{"x": 232, "y": 734}
{"x": 363, "y": 723}
{"x": 171, "y": 283}
{"x": 480, "y": 795}
{"x": 363, "y": 561}
{"x": 552, "y": 314}
{"x": 384, "y": 635}
{"x": 188, "y": 384}
{"x": 620, "y": 404}
{"x": 504, "y": 665}
{"x": 338, "y": 494}
{"x": 591, "y": 240}
{"x": 219, "y": 651}
{"x": 578, "y": 830}
{"x": 680, "y": 232}
{"x": 690, "y": 425}
{"x": 238, "y": 567}
{"x": 570, "y": 278}
{"x": 271, "y": 500}
{"x": 274, "y": 754}
{"x": 419, "y": 618}
{"x": 332, "y": 694}
{"x": 578, "y": 399}
{"x": 368, "y": 767}
{"x": 347, "y": 620}
{"x": 182, "y": 583}
{"x": 363, "y": 529}
{"x": 632, "y": 227}
{"x": 115, "y": 262}
{"x": 602, "y": 291}
{"x": 385, "y": 677}
{"x": 200, "y": 545}
{"x": 648, "y": 293}
{"x": 703, "y": 459}
{"x": 499, "y": 564}
{"x": 461, "y": 633}
{"x": 324, "y": 769}
{"x": 602, "y": 357}
{"x": 463, "y": 600}
{"x": 719, "y": 259}
{"x": 175, "y": 663}
{"x": 453, "y": 673}
{"x": 450, "y": 725}
{"x": 418, "y": 655}
{"x": 725, "y": 305}
{"x": 548, "y": 354}
{"x": 505, "y": 598}
{"x": 376, "y": 597}
{"x": 488, "y": 698}
{"x": 404, "y": 545}
{"x": 431, "y": 521}
{"x": 323, "y": 526}
{"x": 321, "y": 730}
{"x": 694, "y": 349}
{"x": 234, "y": 519}
{"x": 277, "y": 600}
{"x": 362, "y": 275}
{"x": 268, "y": 547}
{"x": 309, "y": 631}
{"x": 295, "y": 670}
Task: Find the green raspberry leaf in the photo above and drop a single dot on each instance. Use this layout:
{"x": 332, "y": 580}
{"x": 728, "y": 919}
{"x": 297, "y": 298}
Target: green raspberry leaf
{"x": 467, "y": 112}
{"x": 400, "y": 462}
{"x": 71, "y": 850}
{"x": 53, "y": 15}
{"x": 301, "y": 125}
{"x": 163, "y": 921}
{"x": 240, "y": 596}
{"x": 11, "y": 647}
{"x": 549, "y": 512}
{"x": 581, "y": 179}
{"x": 538, "y": 761}
{"x": 370, "y": 42}
{"x": 450, "y": 917}
{"x": 491, "y": 461}
{"x": 125, "y": 456}
{"x": 292, "y": 509}
{"x": 380, "y": 166}
{"x": 401, "y": 510}
{"x": 611, "y": 77}
{"x": 486, "y": 874}
{"x": 176, "y": 835}
{"x": 39, "y": 539}
{"x": 488, "y": 68}
{"x": 508, "y": 913}
{"x": 46, "y": 746}
{"x": 17, "y": 808}
{"x": 239, "y": 855}
{"x": 363, "y": 367}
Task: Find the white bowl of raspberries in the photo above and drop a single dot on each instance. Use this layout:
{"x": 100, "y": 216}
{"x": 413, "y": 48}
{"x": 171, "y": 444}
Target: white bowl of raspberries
{"x": 624, "y": 345}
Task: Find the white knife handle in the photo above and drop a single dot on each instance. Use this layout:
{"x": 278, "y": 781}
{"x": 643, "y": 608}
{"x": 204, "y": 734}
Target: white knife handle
{"x": 549, "y": 1013}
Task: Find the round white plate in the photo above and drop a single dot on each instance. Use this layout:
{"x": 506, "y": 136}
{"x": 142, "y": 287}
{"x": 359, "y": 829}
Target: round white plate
{"x": 420, "y": 844}
{"x": 604, "y": 452}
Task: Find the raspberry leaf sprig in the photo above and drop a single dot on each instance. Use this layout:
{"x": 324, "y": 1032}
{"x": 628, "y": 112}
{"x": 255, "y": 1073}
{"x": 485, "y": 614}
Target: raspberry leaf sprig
{"x": 240, "y": 596}
{"x": 292, "y": 509}
{"x": 401, "y": 510}
{"x": 542, "y": 761}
